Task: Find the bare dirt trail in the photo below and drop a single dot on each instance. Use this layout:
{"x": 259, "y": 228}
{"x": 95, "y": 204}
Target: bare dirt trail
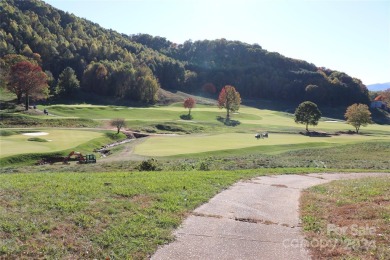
{"x": 257, "y": 219}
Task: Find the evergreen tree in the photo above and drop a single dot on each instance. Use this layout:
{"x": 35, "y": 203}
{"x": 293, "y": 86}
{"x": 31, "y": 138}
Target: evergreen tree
{"x": 68, "y": 84}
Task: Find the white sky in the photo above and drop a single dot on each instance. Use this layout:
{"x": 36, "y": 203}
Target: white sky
{"x": 349, "y": 36}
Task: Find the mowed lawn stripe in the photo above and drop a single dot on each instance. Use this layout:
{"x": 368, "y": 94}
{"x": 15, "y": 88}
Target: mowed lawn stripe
{"x": 175, "y": 145}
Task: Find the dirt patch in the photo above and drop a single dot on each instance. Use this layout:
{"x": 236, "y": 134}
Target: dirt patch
{"x": 142, "y": 200}
{"x": 347, "y": 228}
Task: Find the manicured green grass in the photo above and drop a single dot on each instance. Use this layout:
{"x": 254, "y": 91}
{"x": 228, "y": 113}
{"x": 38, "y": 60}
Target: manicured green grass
{"x": 116, "y": 215}
{"x": 205, "y": 134}
{"x": 348, "y": 219}
{"x": 58, "y": 140}
{"x": 179, "y": 145}
{"x": 368, "y": 156}
{"x": 250, "y": 118}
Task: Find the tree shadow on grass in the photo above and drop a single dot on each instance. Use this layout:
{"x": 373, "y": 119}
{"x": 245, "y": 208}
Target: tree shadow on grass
{"x": 228, "y": 122}
{"x": 186, "y": 117}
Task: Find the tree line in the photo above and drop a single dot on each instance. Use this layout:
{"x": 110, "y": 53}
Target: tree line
{"x": 134, "y": 67}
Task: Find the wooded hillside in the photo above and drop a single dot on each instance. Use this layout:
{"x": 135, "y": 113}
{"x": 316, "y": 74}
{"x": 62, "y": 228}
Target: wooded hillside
{"x": 133, "y": 67}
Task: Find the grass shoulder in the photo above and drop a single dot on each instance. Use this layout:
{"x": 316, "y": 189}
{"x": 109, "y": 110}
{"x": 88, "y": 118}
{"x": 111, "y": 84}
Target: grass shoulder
{"x": 348, "y": 219}
{"x": 100, "y": 215}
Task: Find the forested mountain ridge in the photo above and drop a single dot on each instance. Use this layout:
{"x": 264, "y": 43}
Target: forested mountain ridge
{"x": 106, "y": 62}
{"x": 134, "y": 67}
{"x": 258, "y": 73}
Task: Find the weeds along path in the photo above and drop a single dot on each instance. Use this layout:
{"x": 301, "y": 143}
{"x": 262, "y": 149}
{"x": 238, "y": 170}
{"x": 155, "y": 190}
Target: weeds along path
{"x": 256, "y": 219}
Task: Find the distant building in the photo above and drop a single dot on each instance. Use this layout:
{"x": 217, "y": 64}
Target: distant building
{"x": 378, "y": 103}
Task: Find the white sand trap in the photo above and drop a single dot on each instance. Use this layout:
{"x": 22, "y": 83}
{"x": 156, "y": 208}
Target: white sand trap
{"x": 36, "y": 134}
{"x": 332, "y": 121}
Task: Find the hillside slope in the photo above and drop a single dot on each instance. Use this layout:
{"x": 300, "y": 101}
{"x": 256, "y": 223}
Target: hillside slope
{"x": 129, "y": 67}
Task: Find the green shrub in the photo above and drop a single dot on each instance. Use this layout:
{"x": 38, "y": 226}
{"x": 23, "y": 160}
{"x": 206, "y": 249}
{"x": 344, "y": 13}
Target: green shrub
{"x": 148, "y": 165}
{"x": 170, "y": 127}
{"x": 7, "y": 133}
{"x": 186, "y": 117}
{"x": 37, "y": 139}
{"x": 115, "y": 136}
{"x": 204, "y": 166}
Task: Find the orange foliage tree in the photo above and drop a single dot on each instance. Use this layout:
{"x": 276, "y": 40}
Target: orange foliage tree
{"x": 230, "y": 99}
{"x": 28, "y": 79}
{"x": 190, "y": 104}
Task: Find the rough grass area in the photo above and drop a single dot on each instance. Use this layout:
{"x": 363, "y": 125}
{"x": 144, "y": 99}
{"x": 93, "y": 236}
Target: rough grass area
{"x": 348, "y": 219}
{"x": 368, "y": 156}
{"x": 116, "y": 215}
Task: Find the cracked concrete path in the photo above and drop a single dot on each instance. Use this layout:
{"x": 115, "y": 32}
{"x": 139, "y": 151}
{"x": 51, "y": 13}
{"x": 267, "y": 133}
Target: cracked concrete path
{"x": 256, "y": 219}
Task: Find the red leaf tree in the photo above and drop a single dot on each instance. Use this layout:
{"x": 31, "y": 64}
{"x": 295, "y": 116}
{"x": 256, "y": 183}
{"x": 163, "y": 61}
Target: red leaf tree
{"x": 209, "y": 88}
{"x": 230, "y": 99}
{"x": 29, "y": 80}
{"x": 190, "y": 104}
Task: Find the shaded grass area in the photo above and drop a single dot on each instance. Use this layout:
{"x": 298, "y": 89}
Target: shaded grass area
{"x": 7, "y": 132}
{"x": 348, "y": 219}
{"x": 117, "y": 215}
{"x": 158, "y": 113}
{"x": 20, "y": 120}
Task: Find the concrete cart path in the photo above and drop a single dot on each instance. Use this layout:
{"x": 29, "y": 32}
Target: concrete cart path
{"x": 256, "y": 219}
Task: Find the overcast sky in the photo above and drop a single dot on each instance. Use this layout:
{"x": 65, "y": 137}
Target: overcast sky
{"x": 349, "y": 36}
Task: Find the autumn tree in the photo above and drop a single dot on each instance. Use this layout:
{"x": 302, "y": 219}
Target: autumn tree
{"x": 118, "y": 123}
{"x": 68, "y": 83}
{"x": 229, "y": 99}
{"x": 209, "y": 88}
{"x": 307, "y": 113}
{"x": 190, "y": 104}
{"x": 7, "y": 62}
{"x": 28, "y": 79}
{"x": 358, "y": 115}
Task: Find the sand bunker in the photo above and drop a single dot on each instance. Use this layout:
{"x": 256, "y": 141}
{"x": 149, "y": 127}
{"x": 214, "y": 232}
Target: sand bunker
{"x": 36, "y": 134}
